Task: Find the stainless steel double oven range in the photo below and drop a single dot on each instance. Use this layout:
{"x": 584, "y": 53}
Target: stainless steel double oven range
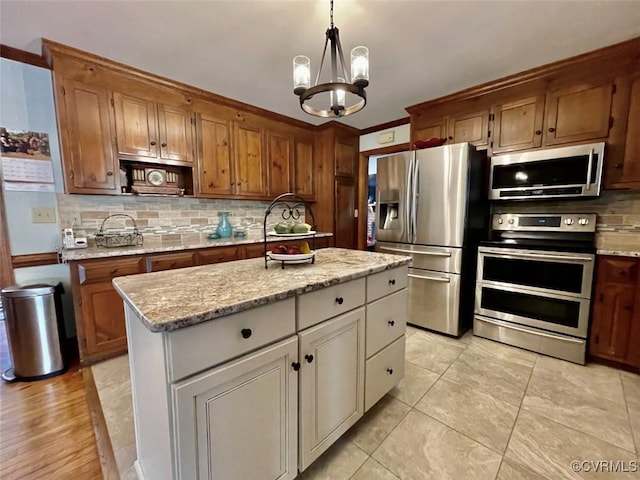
{"x": 534, "y": 282}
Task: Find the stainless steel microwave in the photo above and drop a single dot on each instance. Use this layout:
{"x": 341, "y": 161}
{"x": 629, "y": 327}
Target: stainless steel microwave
{"x": 574, "y": 171}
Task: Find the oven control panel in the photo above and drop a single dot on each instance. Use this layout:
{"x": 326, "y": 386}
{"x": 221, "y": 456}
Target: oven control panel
{"x": 539, "y": 222}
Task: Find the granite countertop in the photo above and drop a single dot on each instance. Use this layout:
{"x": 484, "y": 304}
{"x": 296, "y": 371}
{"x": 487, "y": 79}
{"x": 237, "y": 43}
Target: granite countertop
{"x": 173, "y": 299}
{"x": 620, "y": 252}
{"x": 151, "y": 246}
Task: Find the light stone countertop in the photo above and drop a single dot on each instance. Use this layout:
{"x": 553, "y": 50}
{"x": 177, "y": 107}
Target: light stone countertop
{"x": 151, "y": 246}
{"x": 622, "y": 252}
{"x": 173, "y": 299}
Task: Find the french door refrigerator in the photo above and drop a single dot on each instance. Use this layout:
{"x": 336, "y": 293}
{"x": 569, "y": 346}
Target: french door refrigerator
{"x": 432, "y": 205}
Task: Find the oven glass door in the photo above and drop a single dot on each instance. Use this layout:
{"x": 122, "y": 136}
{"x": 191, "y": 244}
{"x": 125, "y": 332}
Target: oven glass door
{"x": 558, "y": 313}
{"x": 552, "y": 272}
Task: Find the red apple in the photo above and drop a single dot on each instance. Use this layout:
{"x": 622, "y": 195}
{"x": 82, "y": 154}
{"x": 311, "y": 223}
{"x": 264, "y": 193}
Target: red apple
{"x": 294, "y": 250}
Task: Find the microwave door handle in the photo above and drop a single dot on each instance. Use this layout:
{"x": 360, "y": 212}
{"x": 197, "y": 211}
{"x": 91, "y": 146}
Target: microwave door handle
{"x": 589, "y": 169}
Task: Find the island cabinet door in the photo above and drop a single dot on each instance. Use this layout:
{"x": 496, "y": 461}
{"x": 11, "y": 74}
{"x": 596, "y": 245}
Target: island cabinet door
{"x": 331, "y": 382}
{"x": 239, "y": 421}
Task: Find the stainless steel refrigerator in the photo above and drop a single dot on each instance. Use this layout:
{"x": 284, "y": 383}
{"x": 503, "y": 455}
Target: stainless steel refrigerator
{"x": 432, "y": 204}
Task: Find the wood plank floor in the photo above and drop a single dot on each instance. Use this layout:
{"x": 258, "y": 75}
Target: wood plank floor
{"x": 45, "y": 427}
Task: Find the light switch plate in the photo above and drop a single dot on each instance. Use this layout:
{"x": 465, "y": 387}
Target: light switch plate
{"x": 43, "y": 215}
{"x": 386, "y": 137}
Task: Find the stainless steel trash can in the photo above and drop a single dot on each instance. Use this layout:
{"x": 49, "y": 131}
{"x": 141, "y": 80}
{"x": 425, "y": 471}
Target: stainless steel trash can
{"x": 35, "y": 331}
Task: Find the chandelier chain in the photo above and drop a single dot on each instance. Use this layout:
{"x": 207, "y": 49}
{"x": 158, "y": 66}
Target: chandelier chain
{"x": 331, "y": 13}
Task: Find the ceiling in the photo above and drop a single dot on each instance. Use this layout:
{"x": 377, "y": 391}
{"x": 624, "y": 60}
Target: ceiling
{"x": 243, "y": 49}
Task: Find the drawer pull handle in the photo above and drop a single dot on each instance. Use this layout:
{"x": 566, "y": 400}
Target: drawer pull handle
{"x": 295, "y": 366}
{"x": 308, "y": 357}
{"x": 391, "y": 323}
{"x": 390, "y": 371}
{"x": 246, "y": 332}
{"x": 339, "y": 300}
{"x": 392, "y": 281}
{"x": 153, "y": 143}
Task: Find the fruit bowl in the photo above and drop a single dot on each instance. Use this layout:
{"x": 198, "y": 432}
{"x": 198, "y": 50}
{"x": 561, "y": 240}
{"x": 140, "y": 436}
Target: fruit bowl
{"x": 291, "y": 258}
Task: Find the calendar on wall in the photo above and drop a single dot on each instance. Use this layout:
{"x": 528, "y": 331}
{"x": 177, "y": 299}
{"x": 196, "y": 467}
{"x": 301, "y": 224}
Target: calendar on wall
{"x": 26, "y": 161}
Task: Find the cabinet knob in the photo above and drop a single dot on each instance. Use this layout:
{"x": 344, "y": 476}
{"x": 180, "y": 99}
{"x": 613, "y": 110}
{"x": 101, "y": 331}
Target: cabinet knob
{"x": 450, "y": 138}
{"x": 295, "y": 366}
{"x": 538, "y": 132}
{"x": 392, "y": 281}
{"x": 109, "y": 174}
{"x": 390, "y": 371}
{"x": 163, "y": 145}
{"x": 551, "y": 129}
{"x": 617, "y": 165}
{"x": 153, "y": 143}
{"x": 339, "y": 300}
{"x": 309, "y": 358}
{"x": 233, "y": 183}
{"x": 391, "y": 323}
{"x": 246, "y": 332}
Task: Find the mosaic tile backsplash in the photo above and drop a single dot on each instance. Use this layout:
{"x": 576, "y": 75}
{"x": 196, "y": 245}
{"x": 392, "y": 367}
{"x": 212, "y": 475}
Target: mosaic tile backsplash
{"x": 170, "y": 218}
{"x": 618, "y": 213}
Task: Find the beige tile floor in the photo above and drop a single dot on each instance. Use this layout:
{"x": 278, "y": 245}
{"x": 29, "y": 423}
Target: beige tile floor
{"x": 466, "y": 409}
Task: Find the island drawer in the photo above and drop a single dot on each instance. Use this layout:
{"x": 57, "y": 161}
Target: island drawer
{"x": 315, "y": 307}
{"x": 383, "y": 371}
{"x": 194, "y": 349}
{"x": 384, "y": 283}
{"x": 386, "y": 321}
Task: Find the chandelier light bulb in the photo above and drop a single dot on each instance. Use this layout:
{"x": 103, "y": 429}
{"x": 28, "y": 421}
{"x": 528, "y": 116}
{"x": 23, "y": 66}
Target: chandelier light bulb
{"x": 301, "y": 73}
{"x": 360, "y": 65}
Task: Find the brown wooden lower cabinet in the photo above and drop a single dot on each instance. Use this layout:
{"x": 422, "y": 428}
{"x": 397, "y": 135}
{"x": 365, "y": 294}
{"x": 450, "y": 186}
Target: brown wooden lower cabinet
{"x": 615, "y": 324}
{"x": 99, "y": 309}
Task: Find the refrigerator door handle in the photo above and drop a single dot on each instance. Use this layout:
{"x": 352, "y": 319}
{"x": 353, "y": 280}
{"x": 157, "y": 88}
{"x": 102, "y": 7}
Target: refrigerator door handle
{"x": 433, "y": 279}
{"x": 407, "y": 199}
{"x": 402, "y": 250}
{"x": 414, "y": 198}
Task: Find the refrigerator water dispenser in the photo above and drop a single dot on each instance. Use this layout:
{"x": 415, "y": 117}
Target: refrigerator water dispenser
{"x": 389, "y": 207}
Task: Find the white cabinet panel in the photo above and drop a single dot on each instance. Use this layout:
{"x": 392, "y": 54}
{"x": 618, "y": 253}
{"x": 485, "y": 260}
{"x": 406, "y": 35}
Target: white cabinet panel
{"x": 239, "y": 421}
{"x": 386, "y": 321}
{"x": 384, "y": 370}
{"x": 331, "y": 382}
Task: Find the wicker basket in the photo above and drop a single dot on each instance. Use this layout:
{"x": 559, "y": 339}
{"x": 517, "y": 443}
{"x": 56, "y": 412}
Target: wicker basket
{"x": 123, "y": 239}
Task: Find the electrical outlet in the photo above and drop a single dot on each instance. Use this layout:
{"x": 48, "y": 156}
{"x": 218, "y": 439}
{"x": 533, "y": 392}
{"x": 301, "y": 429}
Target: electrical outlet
{"x": 43, "y": 215}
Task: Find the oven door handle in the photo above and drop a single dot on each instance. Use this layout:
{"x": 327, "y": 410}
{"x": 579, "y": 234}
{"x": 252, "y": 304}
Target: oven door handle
{"x": 589, "y": 169}
{"x": 541, "y": 256}
{"x": 401, "y": 250}
{"x": 526, "y": 330}
{"x": 434, "y": 279}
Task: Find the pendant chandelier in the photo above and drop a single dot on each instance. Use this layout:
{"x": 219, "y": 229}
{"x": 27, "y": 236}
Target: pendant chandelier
{"x": 339, "y": 84}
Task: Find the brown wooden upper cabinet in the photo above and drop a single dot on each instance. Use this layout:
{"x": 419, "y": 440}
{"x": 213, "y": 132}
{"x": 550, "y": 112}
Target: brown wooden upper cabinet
{"x": 151, "y": 131}
{"x": 280, "y": 152}
{"x": 215, "y": 156}
{"x": 578, "y": 113}
{"x": 465, "y": 127}
{"x": 250, "y": 173}
{"x": 518, "y": 125}
{"x": 625, "y": 172}
{"x": 304, "y": 166}
{"x": 86, "y": 127}
{"x": 346, "y": 157}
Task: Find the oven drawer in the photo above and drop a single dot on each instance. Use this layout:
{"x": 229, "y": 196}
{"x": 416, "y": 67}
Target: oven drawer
{"x": 560, "y": 273}
{"x": 434, "y": 300}
{"x": 552, "y": 312}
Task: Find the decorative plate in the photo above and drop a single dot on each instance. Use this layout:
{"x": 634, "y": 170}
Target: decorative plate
{"x": 295, "y": 258}
{"x": 274, "y": 234}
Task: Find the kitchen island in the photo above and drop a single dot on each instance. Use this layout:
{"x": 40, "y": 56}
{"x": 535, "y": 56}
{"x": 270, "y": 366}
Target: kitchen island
{"x": 243, "y": 372}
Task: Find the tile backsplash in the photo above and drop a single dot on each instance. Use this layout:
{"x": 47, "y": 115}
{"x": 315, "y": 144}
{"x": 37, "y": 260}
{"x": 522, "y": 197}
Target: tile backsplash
{"x": 168, "y": 217}
{"x": 618, "y": 224}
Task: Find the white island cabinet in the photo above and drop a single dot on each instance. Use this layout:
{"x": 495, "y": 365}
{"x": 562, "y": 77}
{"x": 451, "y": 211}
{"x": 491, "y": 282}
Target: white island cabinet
{"x": 244, "y": 372}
